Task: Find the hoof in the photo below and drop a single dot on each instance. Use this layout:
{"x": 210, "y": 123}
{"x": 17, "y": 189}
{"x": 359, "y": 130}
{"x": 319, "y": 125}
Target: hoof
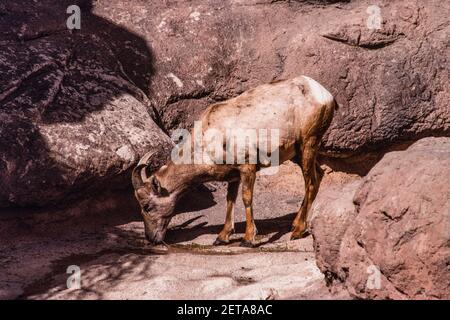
{"x": 295, "y": 236}
{"x": 300, "y": 235}
{"x": 220, "y": 242}
{"x": 246, "y": 244}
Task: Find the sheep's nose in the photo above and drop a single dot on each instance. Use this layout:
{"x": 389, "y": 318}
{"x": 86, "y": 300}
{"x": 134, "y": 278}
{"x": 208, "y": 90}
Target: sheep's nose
{"x": 152, "y": 238}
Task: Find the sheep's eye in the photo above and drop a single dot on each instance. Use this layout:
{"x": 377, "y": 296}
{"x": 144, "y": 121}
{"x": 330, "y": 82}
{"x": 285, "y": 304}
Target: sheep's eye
{"x": 147, "y": 207}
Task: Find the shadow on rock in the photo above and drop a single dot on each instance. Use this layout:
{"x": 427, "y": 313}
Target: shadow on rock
{"x": 279, "y": 226}
{"x": 75, "y": 112}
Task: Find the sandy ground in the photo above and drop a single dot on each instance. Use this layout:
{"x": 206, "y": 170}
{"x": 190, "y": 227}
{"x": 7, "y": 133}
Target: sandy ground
{"x": 116, "y": 263}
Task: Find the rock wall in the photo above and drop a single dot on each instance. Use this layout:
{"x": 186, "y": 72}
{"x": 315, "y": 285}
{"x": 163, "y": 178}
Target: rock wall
{"x": 392, "y": 83}
{"x": 74, "y": 109}
{"x": 392, "y": 241}
{"x": 78, "y": 108}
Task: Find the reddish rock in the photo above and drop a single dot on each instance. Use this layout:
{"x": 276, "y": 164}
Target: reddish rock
{"x": 75, "y": 115}
{"x": 137, "y": 65}
{"x": 392, "y": 84}
{"x": 399, "y": 229}
{"x": 332, "y": 212}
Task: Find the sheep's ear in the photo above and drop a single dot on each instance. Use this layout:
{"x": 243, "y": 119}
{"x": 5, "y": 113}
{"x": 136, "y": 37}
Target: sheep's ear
{"x": 155, "y": 185}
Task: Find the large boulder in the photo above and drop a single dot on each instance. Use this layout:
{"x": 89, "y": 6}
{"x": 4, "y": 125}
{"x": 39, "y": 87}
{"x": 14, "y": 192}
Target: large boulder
{"x": 331, "y": 213}
{"x": 75, "y": 114}
{"x": 395, "y": 241}
{"x": 392, "y": 83}
{"x": 78, "y": 108}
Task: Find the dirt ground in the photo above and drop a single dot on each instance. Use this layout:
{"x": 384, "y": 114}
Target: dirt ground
{"x": 116, "y": 263}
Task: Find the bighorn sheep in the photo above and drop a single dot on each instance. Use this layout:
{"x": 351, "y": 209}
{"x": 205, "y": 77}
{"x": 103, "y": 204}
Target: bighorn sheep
{"x": 300, "y": 108}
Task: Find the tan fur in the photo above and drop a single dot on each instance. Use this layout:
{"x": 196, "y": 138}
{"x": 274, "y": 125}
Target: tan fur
{"x": 299, "y": 108}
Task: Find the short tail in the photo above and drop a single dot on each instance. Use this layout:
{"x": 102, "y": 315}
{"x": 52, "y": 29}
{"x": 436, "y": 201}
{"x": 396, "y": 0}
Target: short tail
{"x": 336, "y": 105}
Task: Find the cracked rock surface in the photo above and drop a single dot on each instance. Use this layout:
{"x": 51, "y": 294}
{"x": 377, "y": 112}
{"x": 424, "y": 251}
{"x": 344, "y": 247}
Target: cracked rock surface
{"x": 116, "y": 263}
{"x": 396, "y": 227}
{"x": 78, "y": 108}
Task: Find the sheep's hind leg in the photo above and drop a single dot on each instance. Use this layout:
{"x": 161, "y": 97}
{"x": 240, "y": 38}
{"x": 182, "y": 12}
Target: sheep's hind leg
{"x": 312, "y": 174}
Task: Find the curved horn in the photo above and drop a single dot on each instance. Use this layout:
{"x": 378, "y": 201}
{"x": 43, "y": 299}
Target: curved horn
{"x": 139, "y": 176}
{"x": 136, "y": 176}
{"x": 146, "y": 157}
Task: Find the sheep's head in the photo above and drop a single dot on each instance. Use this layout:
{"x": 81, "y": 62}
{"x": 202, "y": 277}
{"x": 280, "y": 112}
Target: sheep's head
{"x": 157, "y": 204}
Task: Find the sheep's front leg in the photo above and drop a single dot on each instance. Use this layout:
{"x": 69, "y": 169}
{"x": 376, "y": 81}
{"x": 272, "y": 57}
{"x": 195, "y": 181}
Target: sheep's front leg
{"x": 248, "y": 177}
{"x": 228, "y": 227}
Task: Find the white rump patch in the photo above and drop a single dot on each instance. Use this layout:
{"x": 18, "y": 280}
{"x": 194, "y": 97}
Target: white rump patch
{"x": 321, "y": 95}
